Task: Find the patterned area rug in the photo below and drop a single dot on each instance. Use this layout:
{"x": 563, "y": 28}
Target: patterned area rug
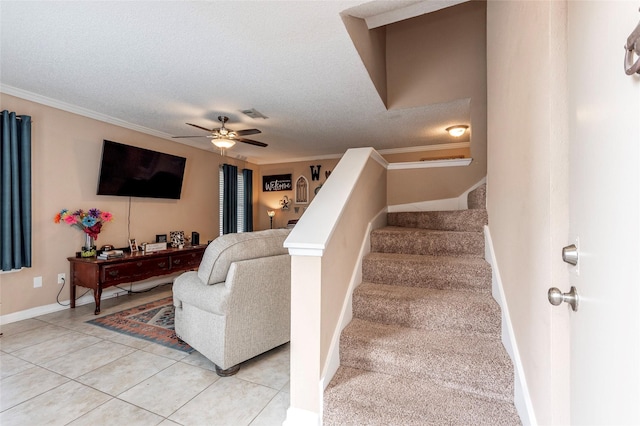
{"x": 151, "y": 321}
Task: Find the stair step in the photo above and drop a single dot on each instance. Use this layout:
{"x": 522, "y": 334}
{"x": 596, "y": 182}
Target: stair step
{"x": 453, "y": 220}
{"x": 429, "y": 309}
{"x": 394, "y": 239}
{"x": 477, "y": 199}
{"x": 359, "y": 397}
{"x": 438, "y": 272}
{"x": 476, "y": 364}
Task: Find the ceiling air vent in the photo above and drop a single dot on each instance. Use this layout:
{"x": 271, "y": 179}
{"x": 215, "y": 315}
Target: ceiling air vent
{"x": 253, "y": 113}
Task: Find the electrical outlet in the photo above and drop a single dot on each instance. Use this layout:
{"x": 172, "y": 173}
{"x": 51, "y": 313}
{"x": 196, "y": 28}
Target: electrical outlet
{"x": 37, "y": 282}
{"x": 61, "y": 278}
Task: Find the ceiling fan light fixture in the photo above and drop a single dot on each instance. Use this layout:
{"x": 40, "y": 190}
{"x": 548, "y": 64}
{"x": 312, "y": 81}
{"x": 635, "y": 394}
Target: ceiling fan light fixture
{"x": 223, "y": 143}
{"x": 457, "y": 130}
{"x": 224, "y": 138}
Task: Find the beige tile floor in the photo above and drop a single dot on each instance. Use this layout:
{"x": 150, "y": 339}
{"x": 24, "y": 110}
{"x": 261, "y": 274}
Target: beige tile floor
{"x": 58, "y": 370}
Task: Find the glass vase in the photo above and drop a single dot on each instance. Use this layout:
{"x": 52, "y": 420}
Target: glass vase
{"x": 88, "y": 249}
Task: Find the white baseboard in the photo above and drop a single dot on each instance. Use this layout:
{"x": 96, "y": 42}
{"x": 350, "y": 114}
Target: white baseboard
{"x": 521, "y": 397}
{"x": 300, "y": 417}
{"x": 87, "y": 298}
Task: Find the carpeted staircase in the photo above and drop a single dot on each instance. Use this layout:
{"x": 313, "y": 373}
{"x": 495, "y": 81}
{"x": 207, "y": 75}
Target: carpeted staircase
{"x": 424, "y": 345}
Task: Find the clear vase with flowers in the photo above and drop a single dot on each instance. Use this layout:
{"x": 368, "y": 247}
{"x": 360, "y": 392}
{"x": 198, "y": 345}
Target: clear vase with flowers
{"x": 90, "y": 222}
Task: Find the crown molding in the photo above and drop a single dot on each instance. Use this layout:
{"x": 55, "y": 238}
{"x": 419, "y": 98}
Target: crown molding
{"x": 300, "y": 159}
{"x": 64, "y": 106}
{"x": 74, "y": 109}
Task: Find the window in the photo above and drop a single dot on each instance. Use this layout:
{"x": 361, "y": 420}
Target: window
{"x": 237, "y": 200}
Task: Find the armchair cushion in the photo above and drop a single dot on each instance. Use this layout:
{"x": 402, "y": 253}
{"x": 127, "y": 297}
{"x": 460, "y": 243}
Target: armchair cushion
{"x": 225, "y": 250}
{"x": 209, "y": 298}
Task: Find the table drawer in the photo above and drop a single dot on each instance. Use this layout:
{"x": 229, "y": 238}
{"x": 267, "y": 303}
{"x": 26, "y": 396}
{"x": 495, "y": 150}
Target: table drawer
{"x": 186, "y": 261}
{"x": 135, "y": 270}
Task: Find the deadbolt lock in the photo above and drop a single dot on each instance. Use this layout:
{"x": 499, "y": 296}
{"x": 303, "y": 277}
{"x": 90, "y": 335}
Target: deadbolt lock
{"x": 570, "y": 254}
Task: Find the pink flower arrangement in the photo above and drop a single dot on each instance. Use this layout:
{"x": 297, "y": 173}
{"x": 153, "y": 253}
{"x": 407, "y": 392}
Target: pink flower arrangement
{"x": 89, "y": 222}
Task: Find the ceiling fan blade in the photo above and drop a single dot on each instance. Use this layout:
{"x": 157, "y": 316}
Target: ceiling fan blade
{"x": 178, "y": 137}
{"x": 200, "y": 127}
{"x": 252, "y": 142}
{"x": 247, "y": 132}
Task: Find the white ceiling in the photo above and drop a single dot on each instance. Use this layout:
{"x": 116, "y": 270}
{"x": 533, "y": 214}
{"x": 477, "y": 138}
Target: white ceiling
{"x": 153, "y": 66}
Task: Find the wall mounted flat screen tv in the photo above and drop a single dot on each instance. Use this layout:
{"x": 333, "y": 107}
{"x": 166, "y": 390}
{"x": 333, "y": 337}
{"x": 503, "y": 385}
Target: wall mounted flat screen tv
{"x": 137, "y": 172}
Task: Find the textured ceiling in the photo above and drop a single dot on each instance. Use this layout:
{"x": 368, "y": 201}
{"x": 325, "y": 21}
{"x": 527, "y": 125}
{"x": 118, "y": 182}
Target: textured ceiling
{"x": 158, "y": 65}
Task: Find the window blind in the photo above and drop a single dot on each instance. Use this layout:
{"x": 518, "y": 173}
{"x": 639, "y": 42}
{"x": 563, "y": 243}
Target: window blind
{"x": 240, "y": 207}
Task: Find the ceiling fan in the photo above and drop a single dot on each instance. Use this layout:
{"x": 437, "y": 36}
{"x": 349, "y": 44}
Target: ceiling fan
{"x": 224, "y": 138}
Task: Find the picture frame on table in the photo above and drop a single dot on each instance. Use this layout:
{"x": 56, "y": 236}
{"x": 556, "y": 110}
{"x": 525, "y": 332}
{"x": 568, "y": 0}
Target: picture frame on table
{"x": 161, "y": 238}
{"x": 177, "y": 238}
{"x": 133, "y": 246}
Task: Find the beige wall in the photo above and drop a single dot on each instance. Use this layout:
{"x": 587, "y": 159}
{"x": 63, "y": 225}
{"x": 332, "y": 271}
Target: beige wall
{"x": 436, "y": 57}
{"x": 448, "y": 63}
{"x": 271, "y": 200}
{"x": 416, "y": 185}
{"x": 66, "y": 158}
{"x": 527, "y": 186}
{"x": 429, "y": 59}
{"x": 370, "y": 45}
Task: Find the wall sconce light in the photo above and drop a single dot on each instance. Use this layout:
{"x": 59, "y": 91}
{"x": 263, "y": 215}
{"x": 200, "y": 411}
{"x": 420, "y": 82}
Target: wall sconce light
{"x": 285, "y": 203}
{"x": 271, "y": 214}
{"x": 457, "y": 130}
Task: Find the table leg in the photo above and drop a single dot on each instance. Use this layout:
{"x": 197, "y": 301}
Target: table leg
{"x": 72, "y": 287}
{"x": 97, "y": 294}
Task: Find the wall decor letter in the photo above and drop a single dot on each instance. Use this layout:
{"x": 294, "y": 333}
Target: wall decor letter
{"x": 315, "y": 172}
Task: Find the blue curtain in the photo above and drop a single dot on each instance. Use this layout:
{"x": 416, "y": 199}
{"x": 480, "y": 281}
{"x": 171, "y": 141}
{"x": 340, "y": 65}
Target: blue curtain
{"x": 15, "y": 191}
{"x": 247, "y": 178}
{"x": 230, "y": 199}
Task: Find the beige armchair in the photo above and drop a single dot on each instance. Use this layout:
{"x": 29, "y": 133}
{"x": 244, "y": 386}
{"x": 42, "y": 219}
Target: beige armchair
{"x": 238, "y": 304}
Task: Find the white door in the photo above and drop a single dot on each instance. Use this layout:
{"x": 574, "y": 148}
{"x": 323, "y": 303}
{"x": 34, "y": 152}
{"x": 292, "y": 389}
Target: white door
{"x": 604, "y": 134}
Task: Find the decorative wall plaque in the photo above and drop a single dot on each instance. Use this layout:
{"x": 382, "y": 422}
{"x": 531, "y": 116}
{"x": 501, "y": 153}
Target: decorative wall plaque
{"x": 277, "y": 183}
{"x": 302, "y": 190}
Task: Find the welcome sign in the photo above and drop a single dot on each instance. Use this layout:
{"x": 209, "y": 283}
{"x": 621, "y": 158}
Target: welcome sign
{"x": 277, "y": 183}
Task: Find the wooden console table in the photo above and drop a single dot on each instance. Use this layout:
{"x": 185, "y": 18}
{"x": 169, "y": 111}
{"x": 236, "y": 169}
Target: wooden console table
{"x": 99, "y": 274}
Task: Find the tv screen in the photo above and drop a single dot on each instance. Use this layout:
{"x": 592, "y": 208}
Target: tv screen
{"x": 137, "y": 172}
